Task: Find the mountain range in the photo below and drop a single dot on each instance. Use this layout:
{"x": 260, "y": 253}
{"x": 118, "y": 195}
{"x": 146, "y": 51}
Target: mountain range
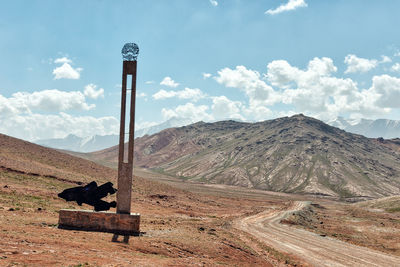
{"x": 295, "y": 154}
{"x": 98, "y": 142}
{"x": 369, "y": 128}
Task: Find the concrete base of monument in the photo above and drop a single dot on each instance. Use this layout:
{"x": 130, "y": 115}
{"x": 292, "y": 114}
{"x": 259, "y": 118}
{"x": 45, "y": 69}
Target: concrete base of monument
{"x": 109, "y": 222}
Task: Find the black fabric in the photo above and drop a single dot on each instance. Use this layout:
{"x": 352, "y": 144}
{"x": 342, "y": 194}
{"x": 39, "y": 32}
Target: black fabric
{"x": 90, "y": 194}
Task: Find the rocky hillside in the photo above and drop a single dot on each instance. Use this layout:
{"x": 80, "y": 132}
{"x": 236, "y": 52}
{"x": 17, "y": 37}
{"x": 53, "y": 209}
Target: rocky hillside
{"x": 291, "y": 154}
{"x": 27, "y": 159}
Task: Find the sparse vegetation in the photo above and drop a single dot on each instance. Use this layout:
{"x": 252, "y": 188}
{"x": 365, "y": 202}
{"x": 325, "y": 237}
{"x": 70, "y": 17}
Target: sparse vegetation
{"x": 296, "y": 155}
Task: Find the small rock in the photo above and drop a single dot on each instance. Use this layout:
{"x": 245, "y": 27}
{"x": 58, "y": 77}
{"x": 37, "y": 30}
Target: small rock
{"x": 11, "y": 209}
{"x": 39, "y": 209}
{"x": 201, "y": 228}
{"x": 6, "y": 186}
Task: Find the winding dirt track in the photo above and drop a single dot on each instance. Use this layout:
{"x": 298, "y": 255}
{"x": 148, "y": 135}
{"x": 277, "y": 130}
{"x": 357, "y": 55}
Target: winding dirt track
{"x": 310, "y": 247}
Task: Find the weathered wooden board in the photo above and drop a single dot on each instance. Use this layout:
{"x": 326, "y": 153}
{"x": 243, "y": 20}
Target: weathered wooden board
{"x": 86, "y": 220}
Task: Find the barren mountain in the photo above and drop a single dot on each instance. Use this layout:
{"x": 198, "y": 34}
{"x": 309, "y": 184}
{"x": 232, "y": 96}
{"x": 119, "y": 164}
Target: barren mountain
{"x": 179, "y": 228}
{"x": 26, "y": 158}
{"x": 183, "y": 224}
{"x": 291, "y": 154}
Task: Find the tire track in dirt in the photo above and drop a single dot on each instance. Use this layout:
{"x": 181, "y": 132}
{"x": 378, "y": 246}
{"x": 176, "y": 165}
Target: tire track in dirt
{"x": 310, "y": 247}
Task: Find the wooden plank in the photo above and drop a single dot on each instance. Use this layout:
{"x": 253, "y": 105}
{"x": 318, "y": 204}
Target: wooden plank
{"x": 109, "y": 222}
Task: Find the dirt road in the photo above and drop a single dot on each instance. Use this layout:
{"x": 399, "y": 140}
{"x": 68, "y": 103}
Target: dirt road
{"x": 312, "y": 248}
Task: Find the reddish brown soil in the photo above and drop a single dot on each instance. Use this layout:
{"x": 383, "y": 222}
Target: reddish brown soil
{"x": 362, "y": 226}
{"x": 184, "y": 224}
{"x": 181, "y": 229}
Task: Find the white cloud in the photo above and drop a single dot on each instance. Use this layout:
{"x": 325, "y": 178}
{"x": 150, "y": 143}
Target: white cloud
{"x": 66, "y": 71}
{"x": 395, "y": 67}
{"x": 144, "y": 124}
{"x": 206, "y": 75}
{"x": 314, "y": 91}
{"x": 39, "y": 126}
{"x": 62, "y": 60}
{"x": 91, "y": 92}
{"x": 385, "y": 59}
{"x": 356, "y": 64}
{"x": 214, "y": 2}
{"x": 248, "y": 81}
{"x": 167, "y": 81}
{"x": 282, "y": 74}
{"x": 141, "y": 94}
{"x": 189, "y": 110}
{"x": 386, "y": 91}
{"x": 291, "y": 5}
{"x": 23, "y": 115}
{"x": 149, "y": 82}
{"x": 46, "y": 100}
{"x": 224, "y": 108}
{"x": 258, "y": 112}
{"x": 187, "y": 93}
{"x": 258, "y": 92}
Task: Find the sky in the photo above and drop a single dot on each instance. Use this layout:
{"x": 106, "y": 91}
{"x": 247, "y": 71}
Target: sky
{"x": 209, "y": 60}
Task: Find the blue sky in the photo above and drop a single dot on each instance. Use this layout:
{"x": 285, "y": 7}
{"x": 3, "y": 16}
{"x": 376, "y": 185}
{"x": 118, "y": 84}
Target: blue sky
{"x": 61, "y": 64}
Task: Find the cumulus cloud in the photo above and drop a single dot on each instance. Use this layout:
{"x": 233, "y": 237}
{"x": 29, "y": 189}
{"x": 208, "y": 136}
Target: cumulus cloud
{"x": 167, "y": 81}
{"x": 314, "y": 91}
{"x": 249, "y": 81}
{"x": 189, "y": 110}
{"x": 91, "y": 92}
{"x": 258, "y": 92}
{"x": 62, "y": 60}
{"x": 224, "y": 108}
{"x": 291, "y": 5}
{"x": 281, "y": 74}
{"x": 214, "y": 2}
{"x": 144, "y": 124}
{"x": 385, "y": 59}
{"x": 40, "y": 126}
{"x": 47, "y": 100}
{"x": 188, "y": 93}
{"x": 386, "y": 91}
{"x": 206, "y": 75}
{"x": 395, "y": 67}
{"x": 41, "y": 115}
{"x": 66, "y": 71}
{"x": 356, "y": 64}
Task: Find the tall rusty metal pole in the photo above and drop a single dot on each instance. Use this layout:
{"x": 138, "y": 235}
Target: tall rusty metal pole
{"x": 130, "y": 52}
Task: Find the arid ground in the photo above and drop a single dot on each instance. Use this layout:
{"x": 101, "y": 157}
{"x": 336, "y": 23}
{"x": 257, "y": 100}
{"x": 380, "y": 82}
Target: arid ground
{"x": 183, "y": 224}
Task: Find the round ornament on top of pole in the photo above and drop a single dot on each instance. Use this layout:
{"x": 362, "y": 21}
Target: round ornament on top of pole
{"x": 130, "y": 52}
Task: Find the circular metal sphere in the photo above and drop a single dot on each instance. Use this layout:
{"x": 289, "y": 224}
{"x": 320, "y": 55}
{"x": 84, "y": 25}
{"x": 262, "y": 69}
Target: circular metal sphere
{"x": 130, "y": 52}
